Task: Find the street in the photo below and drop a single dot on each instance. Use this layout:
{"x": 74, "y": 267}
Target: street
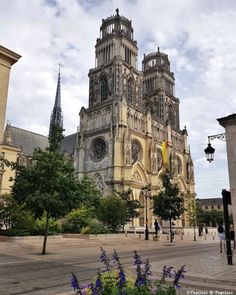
{"x": 24, "y": 271}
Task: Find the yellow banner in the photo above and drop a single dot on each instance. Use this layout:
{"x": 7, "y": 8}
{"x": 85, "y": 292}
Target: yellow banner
{"x": 164, "y": 153}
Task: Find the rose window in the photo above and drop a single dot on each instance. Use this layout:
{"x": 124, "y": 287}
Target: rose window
{"x": 98, "y": 149}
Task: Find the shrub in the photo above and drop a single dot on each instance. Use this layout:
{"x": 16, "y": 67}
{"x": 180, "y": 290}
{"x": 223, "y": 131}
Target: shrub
{"x": 110, "y": 282}
{"x": 77, "y": 219}
{"x": 15, "y": 232}
{"x": 54, "y": 226}
{"x": 95, "y": 227}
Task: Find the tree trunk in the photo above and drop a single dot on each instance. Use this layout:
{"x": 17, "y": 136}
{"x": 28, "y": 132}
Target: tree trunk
{"x": 171, "y": 236}
{"x": 194, "y": 232}
{"x": 45, "y": 235}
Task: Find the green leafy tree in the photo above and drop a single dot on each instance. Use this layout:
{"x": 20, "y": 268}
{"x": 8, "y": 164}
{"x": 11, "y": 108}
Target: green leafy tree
{"x": 13, "y": 217}
{"x": 131, "y": 205}
{"x": 191, "y": 213}
{"x": 55, "y": 137}
{"x": 89, "y": 195}
{"x": 48, "y": 186}
{"x": 112, "y": 212}
{"x": 202, "y": 216}
{"x": 168, "y": 204}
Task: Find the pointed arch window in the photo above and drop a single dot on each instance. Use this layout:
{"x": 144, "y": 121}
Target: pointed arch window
{"x": 171, "y": 116}
{"x": 161, "y": 107}
{"x": 104, "y": 88}
{"x": 130, "y": 90}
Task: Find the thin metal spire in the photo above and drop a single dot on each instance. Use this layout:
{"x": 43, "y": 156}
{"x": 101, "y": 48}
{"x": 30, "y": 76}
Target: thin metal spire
{"x": 56, "y": 117}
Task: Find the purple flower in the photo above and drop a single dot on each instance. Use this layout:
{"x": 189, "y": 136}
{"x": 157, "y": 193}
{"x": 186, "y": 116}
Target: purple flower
{"x": 98, "y": 282}
{"x": 166, "y": 272}
{"x": 121, "y": 279}
{"x": 75, "y": 284}
{"x": 105, "y": 260}
{"x": 178, "y": 276}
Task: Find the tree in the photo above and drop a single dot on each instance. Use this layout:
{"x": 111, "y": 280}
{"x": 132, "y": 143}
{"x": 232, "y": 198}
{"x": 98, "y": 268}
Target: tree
{"x": 55, "y": 137}
{"x": 131, "y": 205}
{"x": 112, "y": 212}
{"x": 47, "y": 186}
{"x": 168, "y": 204}
{"x": 192, "y": 215}
{"x": 13, "y": 217}
{"x": 89, "y": 194}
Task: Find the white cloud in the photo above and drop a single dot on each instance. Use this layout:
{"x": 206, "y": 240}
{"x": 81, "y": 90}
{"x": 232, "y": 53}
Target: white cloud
{"x": 197, "y": 36}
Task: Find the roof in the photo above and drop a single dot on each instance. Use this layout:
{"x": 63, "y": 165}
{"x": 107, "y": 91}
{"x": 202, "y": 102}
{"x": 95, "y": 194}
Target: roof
{"x": 211, "y": 201}
{"x": 11, "y": 55}
{"x": 68, "y": 144}
{"x": 26, "y": 140}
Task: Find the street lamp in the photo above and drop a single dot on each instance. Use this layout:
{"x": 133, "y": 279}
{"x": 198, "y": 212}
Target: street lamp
{"x": 146, "y": 192}
{"x": 209, "y": 150}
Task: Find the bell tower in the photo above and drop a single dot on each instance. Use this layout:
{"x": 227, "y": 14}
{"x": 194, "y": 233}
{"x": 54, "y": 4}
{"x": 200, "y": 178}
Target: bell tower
{"x": 158, "y": 88}
{"x": 116, "y": 54}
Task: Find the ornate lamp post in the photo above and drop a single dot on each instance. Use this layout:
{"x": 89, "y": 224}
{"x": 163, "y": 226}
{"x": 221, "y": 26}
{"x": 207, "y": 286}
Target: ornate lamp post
{"x": 209, "y": 151}
{"x": 146, "y": 192}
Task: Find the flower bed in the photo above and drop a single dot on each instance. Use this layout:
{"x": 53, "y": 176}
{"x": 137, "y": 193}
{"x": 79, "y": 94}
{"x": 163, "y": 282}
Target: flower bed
{"x": 110, "y": 281}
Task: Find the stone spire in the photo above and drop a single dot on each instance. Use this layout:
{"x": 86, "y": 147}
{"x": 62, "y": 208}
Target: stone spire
{"x": 56, "y": 117}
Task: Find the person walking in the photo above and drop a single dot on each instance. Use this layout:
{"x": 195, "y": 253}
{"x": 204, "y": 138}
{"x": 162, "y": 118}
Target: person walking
{"x": 221, "y": 235}
{"x": 232, "y": 236}
{"x": 157, "y": 227}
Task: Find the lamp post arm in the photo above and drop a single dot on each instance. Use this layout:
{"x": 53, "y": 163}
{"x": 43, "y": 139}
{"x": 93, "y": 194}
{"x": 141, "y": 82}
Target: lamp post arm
{"x": 221, "y": 136}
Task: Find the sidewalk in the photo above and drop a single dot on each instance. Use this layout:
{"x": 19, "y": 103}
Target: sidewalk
{"x": 206, "y": 272}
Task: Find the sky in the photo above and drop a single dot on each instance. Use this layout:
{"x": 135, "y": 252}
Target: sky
{"x": 198, "y": 36}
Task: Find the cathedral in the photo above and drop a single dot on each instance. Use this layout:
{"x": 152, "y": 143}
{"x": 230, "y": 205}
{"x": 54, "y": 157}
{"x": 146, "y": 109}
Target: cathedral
{"x": 130, "y": 114}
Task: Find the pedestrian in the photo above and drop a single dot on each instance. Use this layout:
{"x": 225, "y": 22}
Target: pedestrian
{"x": 206, "y": 229}
{"x": 172, "y": 233}
{"x": 221, "y": 234}
{"x": 157, "y": 227}
{"x": 232, "y": 236}
{"x": 200, "y": 230}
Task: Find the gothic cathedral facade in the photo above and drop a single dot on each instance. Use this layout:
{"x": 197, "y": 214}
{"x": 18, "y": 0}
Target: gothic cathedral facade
{"x": 130, "y": 114}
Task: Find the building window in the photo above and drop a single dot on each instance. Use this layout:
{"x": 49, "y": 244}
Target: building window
{"x": 161, "y": 107}
{"x": 104, "y": 88}
{"x": 218, "y": 207}
{"x": 206, "y": 207}
{"x": 98, "y": 149}
{"x": 212, "y": 207}
{"x": 130, "y": 90}
{"x": 179, "y": 165}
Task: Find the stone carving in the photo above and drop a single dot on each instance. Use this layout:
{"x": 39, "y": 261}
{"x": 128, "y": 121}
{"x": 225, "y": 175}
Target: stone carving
{"x": 136, "y": 176}
{"x": 127, "y": 156}
{"x": 136, "y": 151}
{"x": 99, "y": 183}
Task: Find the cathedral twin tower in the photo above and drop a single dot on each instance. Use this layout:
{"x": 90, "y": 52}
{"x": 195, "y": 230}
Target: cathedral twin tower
{"x": 130, "y": 114}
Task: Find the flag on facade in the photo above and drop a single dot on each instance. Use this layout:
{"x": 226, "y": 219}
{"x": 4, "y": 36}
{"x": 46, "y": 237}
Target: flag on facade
{"x": 164, "y": 153}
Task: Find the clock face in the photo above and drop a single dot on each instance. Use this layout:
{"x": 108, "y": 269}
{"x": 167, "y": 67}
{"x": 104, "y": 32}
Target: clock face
{"x": 98, "y": 149}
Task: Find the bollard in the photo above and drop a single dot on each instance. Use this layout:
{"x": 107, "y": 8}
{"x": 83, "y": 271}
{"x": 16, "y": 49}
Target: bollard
{"x": 181, "y": 237}
{"x": 126, "y": 233}
{"x": 167, "y": 237}
{"x": 213, "y": 237}
{"x": 205, "y": 237}
{"x": 139, "y": 236}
